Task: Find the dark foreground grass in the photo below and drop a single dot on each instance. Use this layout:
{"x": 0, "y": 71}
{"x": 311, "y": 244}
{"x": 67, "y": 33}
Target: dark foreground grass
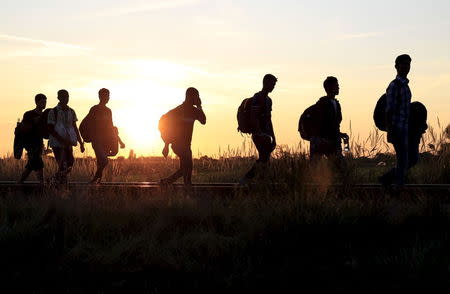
{"x": 259, "y": 241}
{"x": 273, "y": 239}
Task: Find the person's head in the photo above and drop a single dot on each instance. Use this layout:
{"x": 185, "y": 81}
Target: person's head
{"x": 63, "y": 97}
{"x": 331, "y": 86}
{"x": 103, "y": 95}
{"x": 41, "y": 101}
{"x": 193, "y": 96}
{"x": 269, "y": 82}
{"x": 403, "y": 65}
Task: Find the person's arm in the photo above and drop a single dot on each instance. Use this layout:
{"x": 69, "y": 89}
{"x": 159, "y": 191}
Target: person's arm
{"x": 343, "y": 136}
{"x": 201, "y": 117}
{"x": 77, "y": 132}
{"x": 272, "y": 133}
{"x": 121, "y": 143}
{"x": 78, "y": 137}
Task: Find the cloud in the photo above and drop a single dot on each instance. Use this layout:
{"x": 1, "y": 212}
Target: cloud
{"x": 359, "y": 36}
{"x": 43, "y": 42}
{"x": 147, "y": 7}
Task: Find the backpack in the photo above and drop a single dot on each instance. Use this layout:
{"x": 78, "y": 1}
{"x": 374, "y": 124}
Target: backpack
{"x": 86, "y": 129}
{"x": 379, "y": 113}
{"x": 243, "y": 117}
{"x": 308, "y": 124}
{"x": 417, "y": 118}
{"x": 169, "y": 125}
{"x": 112, "y": 147}
{"x": 18, "y": 141}
{"x": 45, "y": 128}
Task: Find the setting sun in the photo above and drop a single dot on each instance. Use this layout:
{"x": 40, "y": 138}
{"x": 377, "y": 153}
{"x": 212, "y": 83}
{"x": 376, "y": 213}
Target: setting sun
{"x": 137, "y": 106}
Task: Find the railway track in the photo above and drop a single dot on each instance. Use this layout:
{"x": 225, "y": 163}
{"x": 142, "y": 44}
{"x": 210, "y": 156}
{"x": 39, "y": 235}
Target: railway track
{"x": 10, "y": 186}
{"x": 211, "y": 185}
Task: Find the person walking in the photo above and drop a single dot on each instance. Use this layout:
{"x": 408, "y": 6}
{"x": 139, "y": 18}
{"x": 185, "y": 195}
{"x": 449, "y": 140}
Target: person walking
{"x": 327, "y": 139}
{"x": 179, "y": 122}
{"x": 103, "y": 133}
{"x": 33, "y": 139}
{"x": 263, "y": 135}
{"x": 64, "y": 135}
{"x": 398, "y": 102}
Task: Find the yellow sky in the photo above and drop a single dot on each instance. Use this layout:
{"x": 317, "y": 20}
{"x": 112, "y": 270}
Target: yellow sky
{"x": 148, "y": 52}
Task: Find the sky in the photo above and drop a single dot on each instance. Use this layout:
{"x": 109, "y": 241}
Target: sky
{"x": 148, "y": 52}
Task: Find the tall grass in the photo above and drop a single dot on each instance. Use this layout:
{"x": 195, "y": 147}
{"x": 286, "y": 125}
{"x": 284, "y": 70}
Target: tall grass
{"x": 368, "y": 159}
{"x": 220, "y": 244}
{"x": 264, "y": 239}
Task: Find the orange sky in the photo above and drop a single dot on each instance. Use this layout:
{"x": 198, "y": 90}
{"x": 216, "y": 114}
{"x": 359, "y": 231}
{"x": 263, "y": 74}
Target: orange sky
{"x": 148, "y": 52}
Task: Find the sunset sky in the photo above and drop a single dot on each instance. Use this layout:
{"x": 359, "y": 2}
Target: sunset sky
{"x": 148, "y": 52}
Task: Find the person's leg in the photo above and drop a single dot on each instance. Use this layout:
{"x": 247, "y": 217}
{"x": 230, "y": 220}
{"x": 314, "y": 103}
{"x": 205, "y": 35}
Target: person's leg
{"x": 102, "y": 161}
{"x": 401, "y": 152}
{"x": 264, "y": 149}
{"x": 30, "y": 166}
{"x": 186, "y": 166}
{"x": 389, "y": 177}
{"x": 38, "y": 163}
{"x": 178, "y": 173}
{"x": 316, "y": 149}
{"x": 252, "y": 171}
{"x": 69, "y": 158}
{"x": 336, "y": 156}
{"x": 60, "y": 161}
{"x": 26, "y": 173}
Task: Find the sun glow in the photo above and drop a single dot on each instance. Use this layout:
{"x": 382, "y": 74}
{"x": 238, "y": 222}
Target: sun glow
{"x": 137, "y": 112}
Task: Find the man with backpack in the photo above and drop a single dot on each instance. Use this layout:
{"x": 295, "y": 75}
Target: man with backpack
{"x": 32, "y": 139}
{"x": 176, "y": 129}
{"x": 64, "y": 135}
{"x": 98, "y": 128}
{"x": 326, "y": 137}
{"x": 397, "y": 111}
{"x": 261, "y": 127}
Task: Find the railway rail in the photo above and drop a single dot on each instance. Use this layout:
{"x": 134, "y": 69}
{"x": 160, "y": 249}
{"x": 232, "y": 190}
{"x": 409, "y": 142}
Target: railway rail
{"x": 215, "y": 185}
{"x": 438, "y": 190}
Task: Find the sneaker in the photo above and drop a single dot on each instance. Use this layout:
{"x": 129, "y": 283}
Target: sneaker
{"x": 95, "y": 181}
{"x": 385, "y": 181}
{"x": 243, "y": 182}
{"x": 164, "y": 183}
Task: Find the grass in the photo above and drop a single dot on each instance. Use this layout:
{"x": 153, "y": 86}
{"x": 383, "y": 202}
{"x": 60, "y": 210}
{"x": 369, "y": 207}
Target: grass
{"x": 170, "y": 242}
{"x": 263, "y": 240}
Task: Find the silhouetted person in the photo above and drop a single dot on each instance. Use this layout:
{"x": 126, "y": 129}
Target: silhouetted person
{"x": 327, "y": 140}
{"x": 104, "y": 134}
{"x": 64, "y": 135}
{"x": 417, "y": 127}
{"x": 189, "y": 111}
{"x": 263, "y": 135}
{"x": 398, "y": 101}
{"x": 32, "y": 139}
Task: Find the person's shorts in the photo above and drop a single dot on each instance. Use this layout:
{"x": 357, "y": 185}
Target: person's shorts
{"x": 35, "y": 161}
{"x": 182, "y": 151}
{"x": 64, "y": 155}
{"x": 325, "y": 146}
